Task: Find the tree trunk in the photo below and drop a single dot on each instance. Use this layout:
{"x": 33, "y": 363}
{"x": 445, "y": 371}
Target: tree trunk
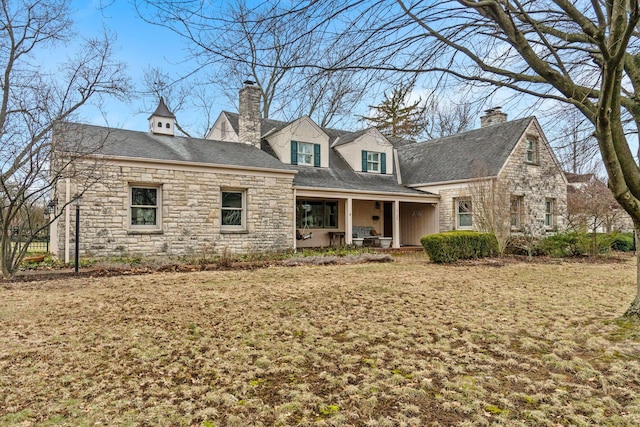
{"x": 633, "y": 312}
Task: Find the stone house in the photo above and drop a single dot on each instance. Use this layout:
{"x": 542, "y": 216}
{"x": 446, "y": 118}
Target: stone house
{"x": 501, "y": 163}
{"x": 258, "y": 185}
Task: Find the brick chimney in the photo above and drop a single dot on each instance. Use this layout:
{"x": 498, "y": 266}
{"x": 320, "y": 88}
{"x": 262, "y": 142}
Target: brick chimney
{"x": 493, "y": 116}
{"x": 249, "y": 116}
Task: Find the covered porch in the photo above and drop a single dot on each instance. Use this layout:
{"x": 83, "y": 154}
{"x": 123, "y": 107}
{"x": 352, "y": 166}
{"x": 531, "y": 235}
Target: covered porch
{"x": 334, "y": 218}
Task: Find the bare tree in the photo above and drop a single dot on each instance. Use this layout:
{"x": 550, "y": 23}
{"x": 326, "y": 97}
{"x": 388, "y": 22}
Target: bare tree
{"x": 575, "y": 144}
{"x": 491, "y": 201}
{"x": 582, "y": 53}
{"x": 591, "y": 207}
{"x": 447, "y": 120}
{"x": 237, "y": 41}
{"x": 175, "y": 92}
{"x": 34, "y": 99}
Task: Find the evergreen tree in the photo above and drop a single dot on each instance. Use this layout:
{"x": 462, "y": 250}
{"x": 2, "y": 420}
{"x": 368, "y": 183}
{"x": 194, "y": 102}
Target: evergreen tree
{"x": 397, "y": 117}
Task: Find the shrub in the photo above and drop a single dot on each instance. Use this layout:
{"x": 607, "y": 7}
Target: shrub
{"x": 568, "y": 243}
{"x": 454, "y": 245}
{"x": 523, "y": 245}
{"x": 623, "y": 242}
{"x": 576, "y": 243}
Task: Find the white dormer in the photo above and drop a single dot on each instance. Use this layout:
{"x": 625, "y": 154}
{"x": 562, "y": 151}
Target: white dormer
{"x": 162, "y": 121}
{"x": 222, "y": 130}
{"x": 301, "y": 142}
{"x": 366, "y": 151}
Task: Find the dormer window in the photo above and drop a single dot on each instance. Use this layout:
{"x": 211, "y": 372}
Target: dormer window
{"x": 305, "y": 153}
{"x": 373, "y": 161}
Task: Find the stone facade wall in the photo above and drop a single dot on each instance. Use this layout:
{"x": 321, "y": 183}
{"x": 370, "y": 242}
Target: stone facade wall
{"x": 534, "y": 182}
{"x": 190, "y": 209}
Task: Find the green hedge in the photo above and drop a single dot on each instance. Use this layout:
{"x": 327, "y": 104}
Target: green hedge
{"x": 454, "y": 245}
{"x": 623, "y": 242}
{"x": 574, "y": 243}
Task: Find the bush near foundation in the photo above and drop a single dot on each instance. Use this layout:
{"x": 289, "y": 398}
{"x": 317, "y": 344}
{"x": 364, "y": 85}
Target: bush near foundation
{"x": 454, "y": 245}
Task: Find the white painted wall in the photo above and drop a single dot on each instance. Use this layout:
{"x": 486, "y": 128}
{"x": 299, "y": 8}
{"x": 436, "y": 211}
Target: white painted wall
{"x": 302, "y": 130}
{"x": 372, "y": 140}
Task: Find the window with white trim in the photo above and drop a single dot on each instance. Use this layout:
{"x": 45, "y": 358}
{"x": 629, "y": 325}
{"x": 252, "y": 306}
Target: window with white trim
{"x": 464, "y": 213}
{"x": 549, "y": 217}
{"x": 305, "y": 153}
{"x": 373, "y": 161}
{"x": 233, "y": 210}
{"x": 144, "y": 207}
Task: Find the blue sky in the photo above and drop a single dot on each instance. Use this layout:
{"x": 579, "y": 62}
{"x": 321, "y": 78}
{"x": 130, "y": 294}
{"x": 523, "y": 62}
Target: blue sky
{"x": 139, "y": 45}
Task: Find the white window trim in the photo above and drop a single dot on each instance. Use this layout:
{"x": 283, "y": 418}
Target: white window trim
{"x": 301, "y": 154}
{"x": 243, "y": 223}
{"x": 457, "y": 213}
{"x": 371, "y": 162}
{"x": 145, "y": 228}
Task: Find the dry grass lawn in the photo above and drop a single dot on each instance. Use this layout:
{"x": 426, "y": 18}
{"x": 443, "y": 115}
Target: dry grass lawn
{"x": 403, "y": 344}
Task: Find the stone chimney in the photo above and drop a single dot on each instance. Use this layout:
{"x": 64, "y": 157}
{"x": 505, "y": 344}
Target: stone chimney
{"x": 249, "y": 116}
{"x": 493, "y": 116}
{"x": 162, "y": 121}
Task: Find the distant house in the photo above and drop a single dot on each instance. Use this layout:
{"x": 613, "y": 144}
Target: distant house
{"x": 591, "y": 207}
{"x": 258, "y": 185}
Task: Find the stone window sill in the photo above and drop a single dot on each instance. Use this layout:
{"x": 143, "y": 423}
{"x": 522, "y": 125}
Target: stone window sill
{"x": 134, "y": 232}
{"x": 223, "y": 231}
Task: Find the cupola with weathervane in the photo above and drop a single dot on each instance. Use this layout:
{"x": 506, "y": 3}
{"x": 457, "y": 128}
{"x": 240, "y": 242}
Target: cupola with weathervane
{"x": 162, "y": 121}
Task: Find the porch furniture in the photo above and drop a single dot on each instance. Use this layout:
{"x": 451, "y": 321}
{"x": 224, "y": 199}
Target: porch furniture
{"x": 368, "y": 235}
{"x": 336, "y": 235}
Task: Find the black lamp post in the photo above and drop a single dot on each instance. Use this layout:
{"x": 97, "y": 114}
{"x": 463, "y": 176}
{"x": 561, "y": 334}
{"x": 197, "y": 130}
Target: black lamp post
{"x": 77, "y": 202}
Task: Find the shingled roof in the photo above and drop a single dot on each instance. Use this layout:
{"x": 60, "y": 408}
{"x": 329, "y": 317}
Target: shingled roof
{"x": 339, "y": 175}
{"x": 144, "y": 145}
{"x": 162, "y": 110}
{"x": 473, "y": 154}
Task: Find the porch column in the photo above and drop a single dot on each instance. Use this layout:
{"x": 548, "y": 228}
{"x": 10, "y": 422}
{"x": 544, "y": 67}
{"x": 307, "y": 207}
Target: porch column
{"x": 295, "y": 219}
{"x": 348, "y": 223}
{"x": 396, "y": 224}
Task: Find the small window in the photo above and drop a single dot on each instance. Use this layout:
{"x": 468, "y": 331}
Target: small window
{"x": 145, "y": 207}
{"x": 305, "y": 153}
{"x": 233, "y": 210}
{"x": 168, "y": 126}
{"x": 464, "y": 213}
{"x": 317, "y": 214}
{"x": 159, "y": 124}
{"x": 532, "y": 150}
{"x": 549, "y": 217}
{"x": 516, "y": 212}
{"x": 373, "y": 161}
